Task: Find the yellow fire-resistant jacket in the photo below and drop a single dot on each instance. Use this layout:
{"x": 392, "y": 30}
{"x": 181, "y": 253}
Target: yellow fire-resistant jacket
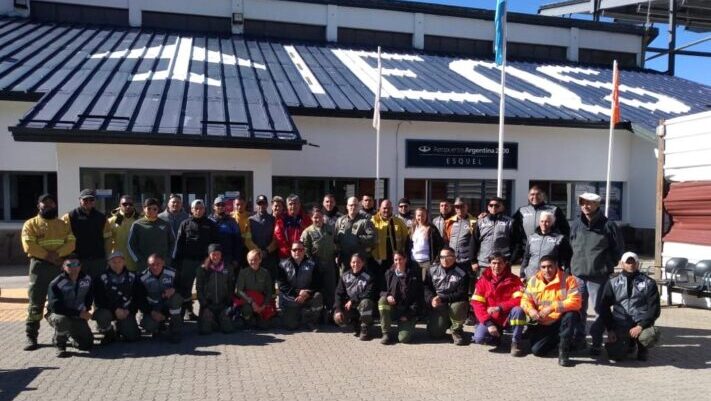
{"x": 244, "y": 228}
{"x": 120, "y": 227}
{"x": 562, "y": 293}
{"x": 40, "y": 236}
{"x": 381, "y": 234}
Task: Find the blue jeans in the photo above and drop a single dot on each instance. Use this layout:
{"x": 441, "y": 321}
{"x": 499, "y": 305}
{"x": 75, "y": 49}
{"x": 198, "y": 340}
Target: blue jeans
{"x": 517, "y": 321}
{"x": 590, "y": 289}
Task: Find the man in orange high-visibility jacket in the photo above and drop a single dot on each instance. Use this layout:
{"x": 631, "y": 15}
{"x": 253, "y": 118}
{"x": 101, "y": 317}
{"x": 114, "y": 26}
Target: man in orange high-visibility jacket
{"x": 552, "y": 302}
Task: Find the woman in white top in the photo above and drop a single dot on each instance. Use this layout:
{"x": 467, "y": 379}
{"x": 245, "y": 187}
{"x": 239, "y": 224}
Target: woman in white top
{"x": 425, "y": 241}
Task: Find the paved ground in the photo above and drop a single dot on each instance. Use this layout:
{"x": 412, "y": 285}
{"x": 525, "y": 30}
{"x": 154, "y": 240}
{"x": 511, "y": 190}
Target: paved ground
{"x": 276, "y": 365}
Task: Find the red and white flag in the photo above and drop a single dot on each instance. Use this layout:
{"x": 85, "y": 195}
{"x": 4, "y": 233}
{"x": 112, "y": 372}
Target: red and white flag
{"x": 615, "y": 109}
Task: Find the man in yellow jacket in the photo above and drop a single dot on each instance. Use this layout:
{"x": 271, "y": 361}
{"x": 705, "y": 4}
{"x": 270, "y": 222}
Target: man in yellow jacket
{"x": 120, "y": 222}
{"x": 241, "y": 216}
{"x": 552, "y": 303}
{"x": 391, "y": 235}
{"x": 47, "y": 240}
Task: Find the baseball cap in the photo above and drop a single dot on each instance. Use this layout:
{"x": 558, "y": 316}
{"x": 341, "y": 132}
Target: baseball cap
{"x": 262, "y": 199}
{"x": 219, "y": 199}
{"x": 44, "y": 197}
{"x": 197, "y": 202}
{"x": 87, "y": 193}
{"x": 214, "y": 247}
{"x": 628, "y": 255}
{"x": 460, "y": 201}
{"x": 115, "y": 254}
{"x": 589, "y": 196}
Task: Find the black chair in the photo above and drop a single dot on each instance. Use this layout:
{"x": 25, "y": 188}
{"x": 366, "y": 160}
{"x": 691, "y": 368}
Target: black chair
{"x": 670, "y": 269}
{"x": 691, "y": 279}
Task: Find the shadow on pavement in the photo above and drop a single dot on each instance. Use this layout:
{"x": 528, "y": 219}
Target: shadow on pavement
{"x": 13, "y": 382}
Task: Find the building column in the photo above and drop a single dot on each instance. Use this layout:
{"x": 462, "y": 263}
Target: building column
{"x": 332, "y": 23}
{"x": 135, "y": 16}
{"x": 574, "y": 45}
{"x": 68, "y": 179}
{"x": 418, "y": 32}
{"x": 237, "y": 17}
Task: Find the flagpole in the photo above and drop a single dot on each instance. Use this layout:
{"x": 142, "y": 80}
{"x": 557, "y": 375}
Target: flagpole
{"x": 615, "y": 79}
{"x": 502, "y": 112}
{"x": 376, "y": 123}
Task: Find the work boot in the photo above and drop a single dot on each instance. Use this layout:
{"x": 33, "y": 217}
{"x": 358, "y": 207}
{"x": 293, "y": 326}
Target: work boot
{"x": 30, "y": 343}
{"x": 174, "y": 326}
{"x": 364, "y": 335}
{"x": 595, "y": 350}
{"x": 516, "y": 350}
{"x": 564, "y": 354}
{"x": 62, "y": 347}
{"x": 109, "y": 337}
{"x": 31, "y": 329}
{"x": 356, "y": 329}
{"x": 642, "y": 352}
{"x": 386, "y": 339}
{"x": 458, "y": 337}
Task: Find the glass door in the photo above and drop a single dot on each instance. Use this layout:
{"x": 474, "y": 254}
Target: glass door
{"x": 195, "y": 187}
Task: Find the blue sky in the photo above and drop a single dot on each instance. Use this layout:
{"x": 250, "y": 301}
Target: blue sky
{"x": 692, "y": 68}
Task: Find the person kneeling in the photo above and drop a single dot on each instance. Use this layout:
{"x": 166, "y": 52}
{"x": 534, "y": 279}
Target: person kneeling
{"x": 446, "y": 287}
{"x": 628, "y": 307}
{"x": 159, "y": 300}
{"x": 70, "y": 298}
{"x": 402, "y": 299}
{"x": 496, "y": 303}
{"x": 254, "y": 292}
{"x": 552, "y": 302}
{"x": 354, "y": 298}
{"x": 113, "y": 295}
{"x": 215, "y": 284}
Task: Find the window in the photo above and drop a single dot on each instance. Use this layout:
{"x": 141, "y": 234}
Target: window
{"x": 564, "y": 194}
{"x": 427, "y": 193}
{"x": 312, "y": 189}
{"x": 284, "y": 30}
{"x": 19, "y": 192}
{"x": 186, "y": 22}
{"x": 75, "y": 13}
{"x": 369, "y": 37}
{"x": 459, "y": 46}
{"x": 604, "y": 57}
{"x": 529, "y": 51}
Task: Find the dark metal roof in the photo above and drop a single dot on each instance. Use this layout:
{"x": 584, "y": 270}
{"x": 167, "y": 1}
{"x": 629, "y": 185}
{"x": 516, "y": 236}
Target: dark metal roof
{"x": 142, "y": 86}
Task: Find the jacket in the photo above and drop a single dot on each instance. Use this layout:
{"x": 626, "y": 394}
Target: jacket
{"x": 435, "y": 242}
{"x": 493, "y": 233}
{"x": 215, "y": 288}
{"x": 330, "y": 217}
{"x": 250, "y": 280}
{"x": 287, "y": 230}
{"x": 354, "y": 287}
{"x": 245, "y": 228}
{"x": 69, "y": 298}
{"x": 504, "y": 291}
{"x": 562, "y": 293}
{"x": 92, "y": 233}
{"x": 634, "y": 299}
{"x": 149, "y": 290}
{"x": 293, "y": 277}
{"x": 597, "y": 246}
{"x": 319, "y": 244}
{"x": 459, "y": 236}
{"x": 120, "y": 227}
{"x": 550, "y": 244}
{"x": 382, "y": 230}
{"x": 40, "y": 236}
{"x": 355, "y": 235}
{"x": 527, "y": 217}
{"x": 174, "y": 219}
{"x": 229, "y": 237}
{"x": 147, "y": 237}
{"x": 441, "y": 222}
{"x": 261, "y": 226}
{"x": 194, "y": 236}
{"x": 406, "y": 289}
{"x": 113, "y": 291}
{"x": 451, "y": 285}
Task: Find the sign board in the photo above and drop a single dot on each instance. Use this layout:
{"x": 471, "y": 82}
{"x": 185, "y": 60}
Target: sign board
{"x": 459, "y": 154}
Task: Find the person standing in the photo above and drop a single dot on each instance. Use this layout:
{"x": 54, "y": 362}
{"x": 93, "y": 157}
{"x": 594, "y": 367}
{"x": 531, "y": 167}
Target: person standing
{"x": 261, "y": 225}
{"x": 120, "y": 221}
{"x": 241, "y": 216}
{"x": 401, "y": 300}
{"x": 597, "y": 247}
{"x": 367, "y": 206}
{"x": 391, "y": 235}
{"x": 445, "y": 213}
{"x": 230, "y": 237}
{"x": 69, "y": 302}
{"x": 425, "y": 241}
{"x": 354, "y": 301}
{"x": 149, "y": 235}
{"x": 493, "y": 233}
{"x": 318, "y": 239}
{"x": 545, "y": 242}
{"x": 330, "y": 210}
{"x": 446, "y": 287}
{"x": 404, "y": 212}
{"x": 195, "y": 235}
{"x": 459, "y": 235}
{"x": 354, "y": 234}
{"x": 113, "y": 294}
{"x": 527, "y": 217}
{"x": 92, "y": 232}
{"x": 289, "y": 227}
{"x": 46, "y": 240}
{"x": 174, "y": 213}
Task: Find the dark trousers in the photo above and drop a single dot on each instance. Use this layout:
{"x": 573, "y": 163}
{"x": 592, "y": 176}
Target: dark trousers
{"x": 545, "y": 338}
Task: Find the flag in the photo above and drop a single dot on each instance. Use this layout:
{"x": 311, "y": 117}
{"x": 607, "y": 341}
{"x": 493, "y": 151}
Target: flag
{"x": 615, "y": 109}
{"x": 376, "y": 103}
{"x": 499, "y": 22}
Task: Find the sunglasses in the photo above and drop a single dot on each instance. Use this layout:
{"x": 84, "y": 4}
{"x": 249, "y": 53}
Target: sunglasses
{"x": 89, "y": 200}
{"x": 297, "y": 249}
{"x": 72, "y": 264}
{"x": 458, "y": 206}
{"x": 445, "y": 256}
{"x": 127, "y": 204}
{"x": 494, "y": 205}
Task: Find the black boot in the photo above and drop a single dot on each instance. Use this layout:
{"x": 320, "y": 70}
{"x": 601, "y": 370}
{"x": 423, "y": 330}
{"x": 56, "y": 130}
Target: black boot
{"x": 364, "y": 332}
{"x": 642, "y": 352}
{"x": 564, "y": 354}
{"x": 61, "y": 343}
{"x": 109, "y": 336}
{"x": 174, "y": 326}
{"x": 31, "y": 330}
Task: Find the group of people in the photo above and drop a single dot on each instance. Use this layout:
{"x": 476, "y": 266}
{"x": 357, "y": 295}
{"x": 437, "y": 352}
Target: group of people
{"x": 350, "y": 269}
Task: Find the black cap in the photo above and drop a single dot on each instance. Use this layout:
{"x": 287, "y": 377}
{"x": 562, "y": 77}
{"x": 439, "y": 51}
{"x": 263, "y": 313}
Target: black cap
{"x": 460, "y": 201}
{"x": 44, "y": 197}
{"x": 214, "y": 247}
{"x": 404, "y": 201}
{"x": 262, "y": 199}
{"x": 87, "y": 193}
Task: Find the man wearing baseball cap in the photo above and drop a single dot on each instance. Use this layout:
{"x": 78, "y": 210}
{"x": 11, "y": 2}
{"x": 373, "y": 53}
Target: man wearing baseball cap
{"x": 628, "y": 308}
{"x": 93, "y": 233}
{"x": 597, "y": 244}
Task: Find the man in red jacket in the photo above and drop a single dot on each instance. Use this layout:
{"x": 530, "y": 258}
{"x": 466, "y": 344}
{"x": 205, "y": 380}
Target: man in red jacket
{"x": 496, "y": 302}
{"x": 290, "y": 225}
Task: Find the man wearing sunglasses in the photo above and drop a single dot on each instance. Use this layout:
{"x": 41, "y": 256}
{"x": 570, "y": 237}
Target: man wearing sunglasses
{"x": 298, "y": 280}
{"x": 149, "y": 235}
{"x": 493, "y": 233}
{"x": 120, "y": 221}
{"x": 446, "y": 287}
{"x": 229, "y": 236}
{"x": 93, "y": 234}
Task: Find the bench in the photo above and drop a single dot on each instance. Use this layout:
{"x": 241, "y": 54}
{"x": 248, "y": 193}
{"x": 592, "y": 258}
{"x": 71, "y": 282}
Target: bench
{"x": 687, "y": 278}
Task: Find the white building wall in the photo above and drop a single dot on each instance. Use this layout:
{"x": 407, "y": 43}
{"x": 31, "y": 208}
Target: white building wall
{"x": 640, "y": 192}
{"x": 73, "y": 157}
{"x": 22, "y": 156}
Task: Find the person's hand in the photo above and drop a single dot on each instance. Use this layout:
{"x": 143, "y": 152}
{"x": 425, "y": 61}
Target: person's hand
{"x": 482, "y": 215}
{"x": 121, "y": 313}
{"x": 157, "y": 316}
{"x": 391, "y": 299}
{"x": 86, "y": 315}
{"x": 545, "y": 311}
{"x": 634, "y": 331}
{"x": 534, "y": 315}
{"x": 168, "y": 292}
{"x": 611, "y": 336}
{"x": 436, "y": 301}
{"x": 348, "y": 305}
{"x": 492, "y": 309}
{"x": 53, "y": 258}
{"x": 305, "y": 294}
{"x": 475, "y": 267}
{"x": 300, "y": 299}
{"x": 493, "y": 330}
{"x": 338, "y": 318}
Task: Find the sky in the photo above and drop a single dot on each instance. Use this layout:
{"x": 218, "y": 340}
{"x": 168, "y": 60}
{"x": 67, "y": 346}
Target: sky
{"x": 691, "y": 68}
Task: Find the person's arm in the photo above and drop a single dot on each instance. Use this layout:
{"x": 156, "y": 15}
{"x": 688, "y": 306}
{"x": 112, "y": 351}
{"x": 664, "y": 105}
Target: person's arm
{"x": 429, "y": 289}
{"x": 526, "y": 259}
{"x": 340, "y": 296}
{"x": 29, "y": 242}
{"x": 653, "y": 305}
{"x": 366, "y": 234}
{"x": 512, "y": 302}
{"x": 140, "y": 297}
{"x": 436, "y": 243}
{"x": 414, "y": 298}
{"x": 180, "y": 242}
{"x": 89, "y": 298}
{"x": 605, "y": 301}
{"x": 528, "y": 302}
{"x": 479, "y": 304}
{"x": 616, "y": 245}
{"x": 56, "y": 302}
{"x": 573, "y": 301}
{"x": 269, "y": 290}
{"x": 133, "y": 244}
{"x": 242, "y": 285}
{"x": 70, "y": 242}
{"x": 565, "y": 254}
{"x": 475, "y": 244}
{"x": 385, "y": 288}
{"x": 561, "y": 222}
{"x": 308, "y": 243}
{"x": 284, "y": 285}
{"x": 108, "y": 236}
{"x": 100, "y": 294}
{"x": 200, "y": 277}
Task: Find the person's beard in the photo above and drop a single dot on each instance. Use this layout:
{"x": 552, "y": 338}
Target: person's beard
{"x": 49, "y": 213}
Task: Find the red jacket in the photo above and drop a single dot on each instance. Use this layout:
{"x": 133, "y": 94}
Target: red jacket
{"x": 504, "y": 291}
{"x": 287, "y": 230}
